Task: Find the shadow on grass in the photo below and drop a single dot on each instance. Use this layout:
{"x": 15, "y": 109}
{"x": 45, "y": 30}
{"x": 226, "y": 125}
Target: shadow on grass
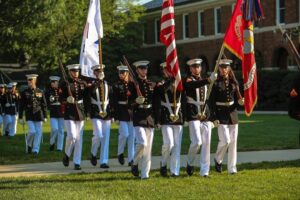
{"x": 126, "y": 176}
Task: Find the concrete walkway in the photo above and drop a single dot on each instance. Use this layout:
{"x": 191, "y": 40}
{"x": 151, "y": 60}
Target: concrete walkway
{"x": 45, "y": 169}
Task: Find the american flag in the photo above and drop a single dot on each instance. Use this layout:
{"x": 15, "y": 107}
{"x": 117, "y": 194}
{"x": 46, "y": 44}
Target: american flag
{"x": 167, "y": 37}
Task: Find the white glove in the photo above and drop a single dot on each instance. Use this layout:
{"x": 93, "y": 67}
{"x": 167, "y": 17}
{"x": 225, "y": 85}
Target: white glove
{"x": 45, "y": 119}
{"x": 21, "y": 121}
{"x": 215, "y": 124}
{"x": 186, "y": 124}
{"x": 213, "y": 76}
{"x": 70, "y": 99}
{"x": 158, "y": 126}
{"x": 87, "y": 118}
{"x": 241, "y": 101}
{"x": 117, "y": 122}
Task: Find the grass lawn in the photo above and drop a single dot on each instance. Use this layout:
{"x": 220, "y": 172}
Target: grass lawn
{"x": 276, "y": 180}
{"x": 259, "y": 132}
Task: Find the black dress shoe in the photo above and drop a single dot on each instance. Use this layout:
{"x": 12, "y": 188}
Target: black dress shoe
{"x": 51, "y": 148}
{"x": 6, "y": 133}
{"x": 29, "y": 149}
{"x": 104, "y": 166}
{"x": 58, "y": 150}
{"x": 163, "y": 171}
{"x": 218, "y": 166}
{"x": 35, "y": 153}
{"x": 77, "y": 167}
{"x": 189, "y": 169}
{"x": 121, "y": 159}
{"x": 65, "y": 160}
{"x": 135, "y": 170}
{"x": 130, "y": 163}
{"x": 174, "y": 175}
{"x": 93, "y": 160}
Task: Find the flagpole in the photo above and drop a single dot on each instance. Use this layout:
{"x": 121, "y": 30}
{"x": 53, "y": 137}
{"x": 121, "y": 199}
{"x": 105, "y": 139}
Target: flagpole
{"x": 103, "y": 113}
{"x": 215, "y": 70}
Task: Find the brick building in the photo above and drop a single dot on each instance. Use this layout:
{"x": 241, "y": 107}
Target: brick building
{"x": 201, "y": 24}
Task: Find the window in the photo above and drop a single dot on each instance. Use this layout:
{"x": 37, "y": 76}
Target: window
{"x": 200, "y": 23}
{"x": 145, "y": 33}
{"x": 280, "y": 11}
{"x": 157, "y": 30}
{"x": 186, "y": 31}
{"x": 217, "y": 20}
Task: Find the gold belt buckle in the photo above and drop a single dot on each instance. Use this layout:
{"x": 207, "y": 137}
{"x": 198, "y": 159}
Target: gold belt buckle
{"x": 174, "y": 118}
{"x": 201, "y": 116}
{"x": 103, "y": 114}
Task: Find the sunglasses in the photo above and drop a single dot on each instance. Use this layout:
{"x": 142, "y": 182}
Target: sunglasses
{"x": 74, "y": 70}
{"x": 30, "y": 79}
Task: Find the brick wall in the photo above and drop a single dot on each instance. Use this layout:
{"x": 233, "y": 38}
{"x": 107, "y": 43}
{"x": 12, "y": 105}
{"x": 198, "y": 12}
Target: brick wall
{"x": 266, "y": 43}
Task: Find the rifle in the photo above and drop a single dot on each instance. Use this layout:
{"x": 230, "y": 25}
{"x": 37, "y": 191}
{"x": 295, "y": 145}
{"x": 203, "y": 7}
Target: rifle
{"x": 68, "y": 85}
{"x": 140, "y": 97}
{"x": 291, "y": 45}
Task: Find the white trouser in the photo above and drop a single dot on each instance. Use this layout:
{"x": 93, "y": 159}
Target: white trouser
{"x": 101, "y": 132}
{"x": 34, "y": 135}
{"x": 172, "y": 135}
{"x": 200, "y": 134}
{"x": 126, "y": 134}
{"x": 74, "y": 139}
{"x": 227, "y": 140}
{"x": 57, "y": 132}
{"x": 10, "y": 124}
{"x": 144, "y": 139}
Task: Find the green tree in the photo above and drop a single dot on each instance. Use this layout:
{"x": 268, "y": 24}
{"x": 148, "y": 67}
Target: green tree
{"x": 43, "y": 30}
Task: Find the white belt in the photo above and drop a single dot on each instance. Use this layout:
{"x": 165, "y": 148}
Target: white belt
{"x": 9, "y": 105}
{"x": 55, "y": 104}
{"x": 93, "y": 101}
{"x": 225, "y": 103}
{"x": 145, "y": 106}
{"x": 169, "y": 104}
{"x": 192, "y": 101}
{"x": 122, "y": 102}
{"x": 80, "y": 101}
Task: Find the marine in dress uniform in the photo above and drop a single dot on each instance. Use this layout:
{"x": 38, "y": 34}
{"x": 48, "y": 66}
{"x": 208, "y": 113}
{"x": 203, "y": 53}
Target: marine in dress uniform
{"x": 11, "y": 109}
{"x": 2, "y": 96}
{"x": 143, "y": 120}
{"x": 56, "y": 114}
{"x": 225, "y": 102}
{"x": 100, "y": 110}
{"x": 198, "y": 119}
{"x": 74, "y": 115}
{"x": 123, "y": 114}
{"x": 33, "y": 102}
{"x": 171, "y": 120}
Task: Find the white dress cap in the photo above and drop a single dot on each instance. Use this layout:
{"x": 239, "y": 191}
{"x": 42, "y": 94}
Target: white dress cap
{"x": 97, "y": 67}
{"x": 141, "y": 63}
{"x": 54, "y": 78}
{"x": 73, "y": 67}
{"x": 31, "y": 76}
{"x": 122, "y": 68}
{"x": 225, "y": 62}
{"x": 196, "y": 61}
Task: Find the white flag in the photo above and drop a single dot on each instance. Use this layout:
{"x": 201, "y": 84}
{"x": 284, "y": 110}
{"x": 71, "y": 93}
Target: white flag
{"x": 89, "y": 55}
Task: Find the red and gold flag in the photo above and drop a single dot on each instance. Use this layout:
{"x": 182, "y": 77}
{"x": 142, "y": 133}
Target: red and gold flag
{"x": 239, "y": 39}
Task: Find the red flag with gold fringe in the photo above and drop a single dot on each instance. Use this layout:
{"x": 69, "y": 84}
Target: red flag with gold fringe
{"x": 239, "y": 39}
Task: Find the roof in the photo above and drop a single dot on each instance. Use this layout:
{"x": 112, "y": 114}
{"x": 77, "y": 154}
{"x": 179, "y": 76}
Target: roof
{"x": 155, "y": 4}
